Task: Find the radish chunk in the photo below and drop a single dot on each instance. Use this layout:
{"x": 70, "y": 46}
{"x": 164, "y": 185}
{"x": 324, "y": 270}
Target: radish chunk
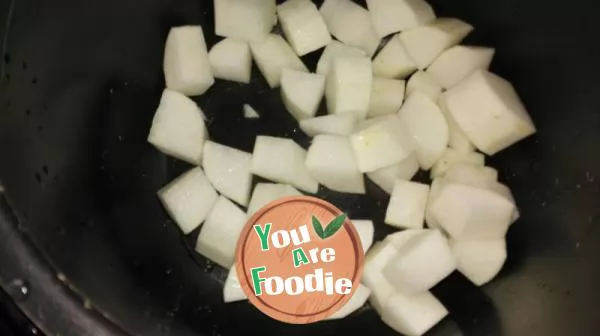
{"x": 265, "y": 193}
{"x": 479, "y": 260}
{"x": 457, "y": 138}
{"x": 178, "y": 128}
{"x": 393, "y": 61}
{"x": 186, "y": 66}
{"x": 282, "y": 160}
{"x": 348, "y": 87}
{"x": 488, "y": 110}
{"x": 428, "y": 127}
{"x": 331, "y": 161}
{"x": 434, "y": 191}
{"x": 219, "y": 235}
{"x": 391, "y": 16}
{"x": 401, "y": 238}
{"x": 387, "y": 96}
{"x": 351, "y": 24}
{"x": 413, "y": 316}
{"x": 188, "y": 199}
{"x": 358, "y": 299}
{"x": 250, "y": 113}
{"x": 301, "y": 92}
{"x": 335, "y": 124}
{"x": 245, "y": 20}
{"x": 452, "y": 156}
{"x": 228, "y": 169}
{"x": 458, "y": 63}
{"x": 424, "y": 44}
{"x": 386, "y": 177}
{"x": 232, "y": 290}
{"x": 471, "y": 174}
{"x": 333, "y": 50}
{"x": 407, "y": 205}
{"x": 381, "y": 290}
{"x": 231, "y": 60}
{"x": 423, "y": 82}
{"x": 421, "y": 263}
{"x": 366, "y": 232}
{"x": 303, "y": 26}
{"x": 272, "y": 56}
{"x": 382, "y": 144}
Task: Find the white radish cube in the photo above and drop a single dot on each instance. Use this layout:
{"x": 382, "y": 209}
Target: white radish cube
{"x": 489, "y": 111}
{"x": 434, "y": 191}
{"x": 303, "y": 26}
{"x": 505, "y": 192}
{"x": 348, "y": 88}
{"x": 366, "y": 232}
{"x": 391, "y": 16}
{"x": 265, "y": 193}
{"x": 178, "y": 128}
{"x": 428, "y": 127}
{"x": 186, "y": 66}
{"x": 250, "y": 112}
{"x": 282, "y": 160}
{"x": 228, "y": 169}
{"x": 479, "y": 260}
{"x": 407, "y": 205}
{"x": 393, "y": 61}
{"x": 188, "y": 199}
{"x": 457, "y": 140}
{"x": 387, "y": 96}
{"x": 218, "y": 236}
{"x": 232, "y": 290}
{"x": 386, "y": 177}
{"x": 423, "y": 82}
{"x": 272, "y": 56}
{"x": 331, "y": 162}
{"x": 351, "y": 24}
{"x": 302, "y": 92}
{"x": 381, "y": 289}
{"x": 424, "y": 44}
{"x": 335, "y": 124}
{"x": 383, "y": 144}
{"x": 458, "y": 63}
{"x": 231, "y": 60}
{"x": 471, "y": 174}
{"x": 452, "y": 156}
{"x": 245, "y": 20}
{"x": 413, "y": 316}
{"x": 333, "y": 50}
{"x": 421, "y": 263}
{"x": 358, "y": 299}
{"x": 401, "y": 238}
{"x": 467, "y": 212}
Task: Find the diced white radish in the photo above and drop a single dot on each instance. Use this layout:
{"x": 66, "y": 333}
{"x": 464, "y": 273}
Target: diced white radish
{"x": 245, "y": 20}
{"x": 505, "y": 192}
{"x": 366, "y": 232}
{"x": 218, "y": 236}
{"x": 458, "y": 63}
{"x": 178, "y": 128}
{"x": 348, "y": 88}
{"x": 303, "y": 26}
{"x": 387, "y": 96}
{"x": 428, "y": 127}
{"x": 391, "y": 16}
{"x": 331, "y": 162}
{"x": 468, "y": 212}
{"x": 185, "y": 62}
{"x": 386, "y": 177}
{"x": 423, "y": 82}
{"x": 471, "y": 174}
{"x": 351, "y": 24}
{"x": 333, "y": 50}
{"x": 424, "y": 44}
{"x": 302, "y": 92}
{"x": 282, "y": 160}
{"x": 383, "y": 144}
{"x": 232, "y": 290}
{"x": 335, "y": 124}
{"x": 272, "y": 56}
{"x": 358, "y": 299}
{"x": 413, "y": 316}
{"x": 434, "y": 191}
{"x": 452, "y": 156}
{"x": 250, "y": 112}
{"x": 479, "y": 260}
{"x": 228, "y": 169}
{"x": 393, "y": 61}
{"x": 407, "y": 205}
{"x": 381, "y": 290}
{"x": 231, "y": 60}
{"x": 265, "y": 193}
{"x": 401, "y": 238}
{"x": 489, "y": 111}
{"x": 457, "y": 140}
{"x": 421, "y": 263}
{"x": 188, "y": 199}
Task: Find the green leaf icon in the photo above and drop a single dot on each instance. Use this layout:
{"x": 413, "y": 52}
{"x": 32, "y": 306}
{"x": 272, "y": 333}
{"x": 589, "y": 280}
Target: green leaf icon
{"x": 331, "y": 228}
{"x": 318, "y": 227}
